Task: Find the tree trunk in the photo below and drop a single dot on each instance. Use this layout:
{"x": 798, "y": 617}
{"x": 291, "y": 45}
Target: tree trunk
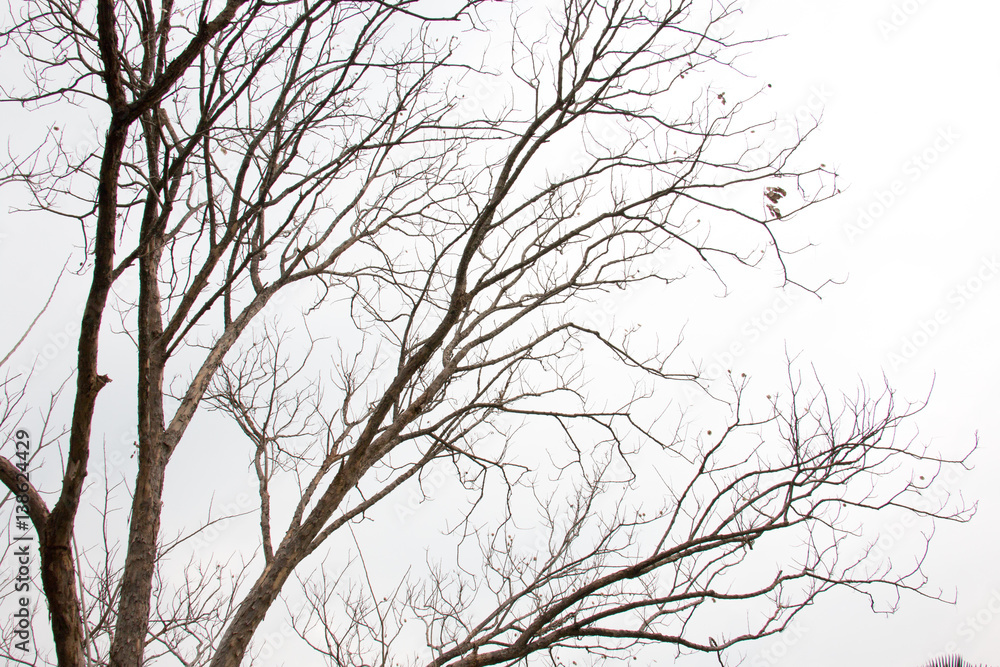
{"x": 154, "y": 454}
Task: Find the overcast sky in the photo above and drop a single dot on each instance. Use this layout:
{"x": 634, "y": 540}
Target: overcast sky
{"x": 909, "y": 120}
{"x": 908, "y": 96}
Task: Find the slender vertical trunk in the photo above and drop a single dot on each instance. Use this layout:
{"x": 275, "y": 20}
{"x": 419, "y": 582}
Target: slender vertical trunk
{"x": 58, "y": 571}
{"x": 137, "y": 580}
{"x": 154, "y": 454}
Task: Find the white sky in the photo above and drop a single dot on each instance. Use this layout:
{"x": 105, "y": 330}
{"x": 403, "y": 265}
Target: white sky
{"x": 925, "y": 89}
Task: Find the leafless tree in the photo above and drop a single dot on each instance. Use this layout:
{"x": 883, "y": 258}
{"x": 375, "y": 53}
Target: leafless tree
{"x": 449, "y": 241}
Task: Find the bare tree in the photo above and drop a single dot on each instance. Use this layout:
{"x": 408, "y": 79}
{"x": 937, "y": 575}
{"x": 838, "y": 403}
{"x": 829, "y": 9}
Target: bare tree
{"x": 449, "y": 241}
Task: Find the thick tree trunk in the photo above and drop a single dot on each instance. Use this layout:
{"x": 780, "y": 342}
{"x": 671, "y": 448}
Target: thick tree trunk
{"x": 154, "y": 454}
{"x": 58, "y": 571}
{"x": 59, "y": 584}
{"x": 249, "y": 616}
{"x": 290, "y": 553}
{"x": 137, "y": 580}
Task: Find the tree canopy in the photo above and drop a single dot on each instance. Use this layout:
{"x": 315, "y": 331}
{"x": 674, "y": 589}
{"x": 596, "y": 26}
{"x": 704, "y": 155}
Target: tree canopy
{"x": 355, "y": 248}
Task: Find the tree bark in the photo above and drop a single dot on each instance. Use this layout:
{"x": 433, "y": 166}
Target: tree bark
{"x": 140, "y": 562}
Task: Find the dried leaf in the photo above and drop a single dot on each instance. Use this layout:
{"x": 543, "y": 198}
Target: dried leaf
{"x": 774, "y": 193}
